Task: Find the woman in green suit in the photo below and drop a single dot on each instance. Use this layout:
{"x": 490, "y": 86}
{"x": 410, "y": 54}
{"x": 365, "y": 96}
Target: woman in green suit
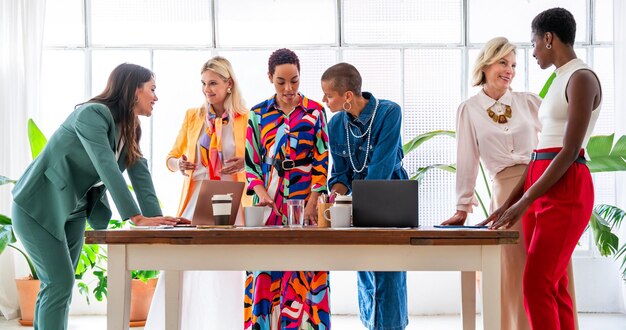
{"x": 65, "y": 186}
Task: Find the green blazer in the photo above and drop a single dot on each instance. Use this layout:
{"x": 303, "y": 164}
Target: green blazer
{"x": 59, "y": 184}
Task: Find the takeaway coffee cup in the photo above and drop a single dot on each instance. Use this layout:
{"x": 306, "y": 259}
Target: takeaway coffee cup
{"x": 338, "y": 215}
{"x": 253, "y": 216}
{"x": 221, "y": 209}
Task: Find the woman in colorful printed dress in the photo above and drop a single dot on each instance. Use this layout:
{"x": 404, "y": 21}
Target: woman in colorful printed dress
{"x": 556, "y": 195}
{"x": 286, "y": 158}
{"x": 366, "y": 145}
{"x": 210, "y": 145}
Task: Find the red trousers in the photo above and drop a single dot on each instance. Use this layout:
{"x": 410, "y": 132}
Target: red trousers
{"x": 552, "y": 227}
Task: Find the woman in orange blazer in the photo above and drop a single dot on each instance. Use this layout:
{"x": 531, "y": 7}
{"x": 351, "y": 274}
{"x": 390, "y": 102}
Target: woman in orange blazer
{"x": 210, "y": 145}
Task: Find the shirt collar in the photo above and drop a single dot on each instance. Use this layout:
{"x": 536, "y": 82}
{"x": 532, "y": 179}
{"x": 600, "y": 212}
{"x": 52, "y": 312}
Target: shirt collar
{"x": 273, "y": 105}
{"x": 368, "y": 111}
{"x": 487, "y": 102}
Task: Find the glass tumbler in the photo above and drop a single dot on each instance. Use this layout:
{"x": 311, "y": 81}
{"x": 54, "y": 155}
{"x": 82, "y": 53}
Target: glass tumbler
{"x": 295, "y": 213}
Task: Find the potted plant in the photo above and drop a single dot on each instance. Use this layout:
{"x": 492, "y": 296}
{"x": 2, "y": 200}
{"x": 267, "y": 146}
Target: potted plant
{"x": 604, "y": 156}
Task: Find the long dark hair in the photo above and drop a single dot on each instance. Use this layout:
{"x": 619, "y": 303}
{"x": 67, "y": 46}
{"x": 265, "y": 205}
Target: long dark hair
{"x": 119, "y": 97}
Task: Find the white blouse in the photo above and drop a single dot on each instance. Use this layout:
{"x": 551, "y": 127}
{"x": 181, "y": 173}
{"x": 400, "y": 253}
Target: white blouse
{"x": 497, "y": 145}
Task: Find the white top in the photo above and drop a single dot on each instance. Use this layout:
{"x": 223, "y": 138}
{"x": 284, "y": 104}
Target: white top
{"x": 553, "y": 111}
{"x": 497, "y": 145}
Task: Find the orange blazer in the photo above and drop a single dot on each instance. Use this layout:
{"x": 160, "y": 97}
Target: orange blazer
{"x": 187, "y": 142}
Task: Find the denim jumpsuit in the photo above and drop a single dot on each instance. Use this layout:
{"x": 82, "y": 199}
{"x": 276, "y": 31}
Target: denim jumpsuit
{"x": 382, "y": 295}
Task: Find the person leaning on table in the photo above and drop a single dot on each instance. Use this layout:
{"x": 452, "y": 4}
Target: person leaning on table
{"x": 65, "y": 186}
{"x": 499, "y": 127}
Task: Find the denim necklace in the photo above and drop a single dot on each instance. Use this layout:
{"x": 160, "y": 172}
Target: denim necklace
{"x": 368, "y": 132}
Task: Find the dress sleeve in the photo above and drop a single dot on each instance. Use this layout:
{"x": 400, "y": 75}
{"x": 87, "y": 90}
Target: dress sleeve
{"x": 467, "y": 160}
{"x": 319, "y": 172}
{"x": 253, "y": 161}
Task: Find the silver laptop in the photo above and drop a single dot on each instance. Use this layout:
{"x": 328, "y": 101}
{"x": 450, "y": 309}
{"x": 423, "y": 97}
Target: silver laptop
{"x": 385, "y": 203}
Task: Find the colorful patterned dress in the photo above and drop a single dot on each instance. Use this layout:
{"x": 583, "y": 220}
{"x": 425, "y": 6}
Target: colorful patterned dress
{"x": 292, "y": 299}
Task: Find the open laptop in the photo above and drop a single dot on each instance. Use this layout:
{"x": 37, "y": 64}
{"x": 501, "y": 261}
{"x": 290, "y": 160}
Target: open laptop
{"x": 384, "y": 203}
{"x": 203, "y": 214}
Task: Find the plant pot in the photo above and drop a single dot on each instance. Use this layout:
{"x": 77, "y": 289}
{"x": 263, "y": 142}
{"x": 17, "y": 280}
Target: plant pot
{"x": 27, "y": 289}
{"x": 140, "y": 300}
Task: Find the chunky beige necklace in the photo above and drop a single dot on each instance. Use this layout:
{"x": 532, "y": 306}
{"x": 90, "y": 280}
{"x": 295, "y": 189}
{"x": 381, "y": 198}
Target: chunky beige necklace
{"x": 500, "y": 118}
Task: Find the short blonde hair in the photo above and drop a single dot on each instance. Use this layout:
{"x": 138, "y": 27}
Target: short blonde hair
{"x": 234, "y": 102}
{"x": 493, "y": 51}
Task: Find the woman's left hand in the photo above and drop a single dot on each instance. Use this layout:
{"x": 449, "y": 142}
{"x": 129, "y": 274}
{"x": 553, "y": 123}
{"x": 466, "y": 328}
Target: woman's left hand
{"x": 511, "y": 215}
{"x": 310, "y": 212}
{"x": 233, "y": 165}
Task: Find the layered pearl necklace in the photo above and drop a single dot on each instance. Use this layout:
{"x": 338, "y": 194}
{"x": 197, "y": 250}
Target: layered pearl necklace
{"x": 368, "y": 132}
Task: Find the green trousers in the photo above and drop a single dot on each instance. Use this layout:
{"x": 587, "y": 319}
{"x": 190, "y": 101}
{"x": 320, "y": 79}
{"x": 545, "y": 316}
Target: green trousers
{"x": 55, "y": 262}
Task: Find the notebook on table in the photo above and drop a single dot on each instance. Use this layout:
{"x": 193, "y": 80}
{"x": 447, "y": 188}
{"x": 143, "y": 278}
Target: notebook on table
{"x": 203, "y": 214}
{"x": 385, "y": 203}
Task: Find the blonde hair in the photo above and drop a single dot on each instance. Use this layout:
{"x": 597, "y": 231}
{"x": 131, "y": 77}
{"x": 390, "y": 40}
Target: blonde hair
{"x": 233, "y": 103}
{"x": 493, "y": 51}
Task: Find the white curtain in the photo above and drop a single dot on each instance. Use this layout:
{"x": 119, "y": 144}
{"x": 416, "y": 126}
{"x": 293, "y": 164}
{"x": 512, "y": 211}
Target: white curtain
{"x": 21, "y": 40}
{"x": 619, "y": 49}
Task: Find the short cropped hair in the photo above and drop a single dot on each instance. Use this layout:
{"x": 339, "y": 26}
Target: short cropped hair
{"x": 493, "y": 51}
{"x": 343, "y": 77}
{"x": 282, "y": 56}
{"x": 558, "y": 21}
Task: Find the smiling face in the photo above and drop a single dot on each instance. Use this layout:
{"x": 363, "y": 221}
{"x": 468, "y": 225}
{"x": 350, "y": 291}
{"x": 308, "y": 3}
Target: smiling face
{"x": 540, "y": 51}
{"x": 286, "y": 81}
{"x": 145, "y": 97}
{"x": 333, "y": 99}
{"x": 214, "y": 87}
{"x": 499, "y": 75}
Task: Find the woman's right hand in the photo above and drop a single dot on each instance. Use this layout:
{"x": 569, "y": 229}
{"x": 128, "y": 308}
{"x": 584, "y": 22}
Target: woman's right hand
{"x": 265, "y": 199}
{"x": 140, "y": 220}
{"x": 458, "y": 219}
{"x": 184, "y": 165}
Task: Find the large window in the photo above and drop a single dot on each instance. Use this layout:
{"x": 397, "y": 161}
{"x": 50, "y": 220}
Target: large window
{"x": 417, "y": 53}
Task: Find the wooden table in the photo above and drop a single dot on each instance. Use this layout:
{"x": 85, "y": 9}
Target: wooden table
{"x": 376, "y": 249}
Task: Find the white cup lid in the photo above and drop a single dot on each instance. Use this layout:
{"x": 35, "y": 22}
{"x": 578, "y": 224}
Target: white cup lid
{"x": 224, "y": 197}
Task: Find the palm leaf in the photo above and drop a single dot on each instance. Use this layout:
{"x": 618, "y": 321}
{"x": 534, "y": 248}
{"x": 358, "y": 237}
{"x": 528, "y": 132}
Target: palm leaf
{"x": 418, "y": 140}
{"x": 4, "y": 220}
{"x": 604, "y": 156}
{"x": 604, "y": 219}
{"x": 36, "y": 138}
{"x": 421, "y": 172}
{"x": 5, "y": 180}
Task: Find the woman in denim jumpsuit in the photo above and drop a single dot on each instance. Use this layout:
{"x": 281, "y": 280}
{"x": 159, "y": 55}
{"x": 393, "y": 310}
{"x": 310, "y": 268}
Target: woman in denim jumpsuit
{"x": 363, "y": 134}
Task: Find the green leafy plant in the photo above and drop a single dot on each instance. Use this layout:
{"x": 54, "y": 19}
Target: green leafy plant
{"x": 604, "y": 156}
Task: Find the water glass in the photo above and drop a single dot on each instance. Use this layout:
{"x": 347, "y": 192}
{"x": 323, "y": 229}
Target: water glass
{"x": 295, "y": 213}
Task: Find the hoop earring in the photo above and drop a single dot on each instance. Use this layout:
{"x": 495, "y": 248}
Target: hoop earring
{"x": 343, "y": 106}
{"x": 549, "y": 46}
{"x": 228, "y": 90}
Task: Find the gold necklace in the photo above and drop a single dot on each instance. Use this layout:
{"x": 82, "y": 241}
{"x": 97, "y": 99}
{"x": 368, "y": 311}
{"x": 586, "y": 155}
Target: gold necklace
{"x": 500, "y": 118}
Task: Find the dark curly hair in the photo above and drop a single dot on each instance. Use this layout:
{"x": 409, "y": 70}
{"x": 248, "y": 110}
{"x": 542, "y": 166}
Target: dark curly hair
{"x": 558, "y": 21}
{"x": 282, "y": 56}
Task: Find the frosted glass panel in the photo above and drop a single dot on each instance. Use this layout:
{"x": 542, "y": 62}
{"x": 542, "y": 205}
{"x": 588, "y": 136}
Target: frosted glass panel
{"x": 381, "y": 71}
{"x": 402, "y": 21}
{"x": 276, "y": 22}
{"x": 62, "y": 87}
{"x": 432, "y": 93}
{"x": 104, "y": 61}
{"x": 179, "y": 88}
{"x": 151, "y": 22}
{"x": 603, "y": 21}
{"x": 512, "y": 18}
{"x": 64, "y": 23}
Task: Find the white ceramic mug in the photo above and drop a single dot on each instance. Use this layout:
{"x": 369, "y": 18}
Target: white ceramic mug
{"x": 339, "y": 216}
{"x": 253, "y": 216}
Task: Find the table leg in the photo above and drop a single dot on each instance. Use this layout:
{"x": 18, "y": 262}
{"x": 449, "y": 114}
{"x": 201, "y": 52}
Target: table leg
{"x": 468, "y": 300}
{"x": 491, "y": 287}
{"x": 118, "y": 297}
{"x": 173, "y": 284}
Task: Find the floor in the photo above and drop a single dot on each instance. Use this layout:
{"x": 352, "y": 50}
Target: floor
{"x": 351, "y": 322}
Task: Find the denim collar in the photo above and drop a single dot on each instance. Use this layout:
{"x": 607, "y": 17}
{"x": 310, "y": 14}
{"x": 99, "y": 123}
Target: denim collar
{"x": 367, "y": 112}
